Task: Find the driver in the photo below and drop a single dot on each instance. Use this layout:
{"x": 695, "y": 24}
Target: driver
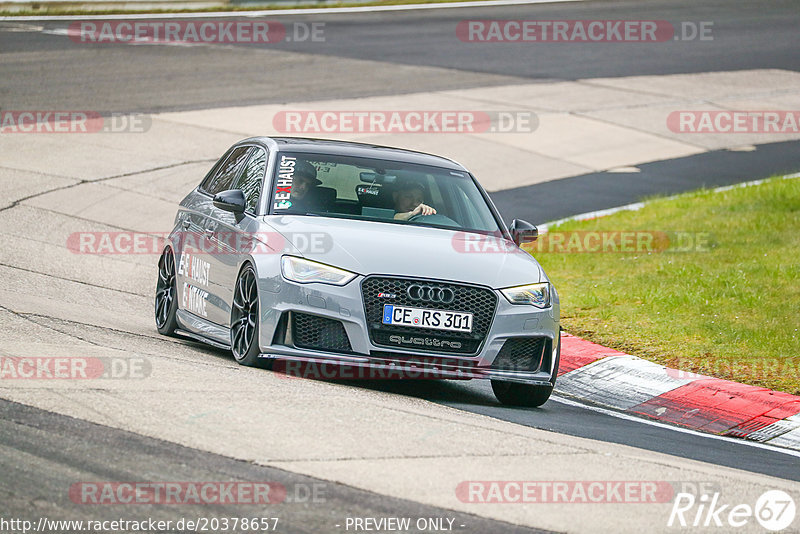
{"x": 304, "y": 185}
{"x": 408, "y": 201}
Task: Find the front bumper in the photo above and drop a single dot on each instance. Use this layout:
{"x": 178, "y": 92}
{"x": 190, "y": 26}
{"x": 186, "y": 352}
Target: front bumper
{"x": 364, "y": 359}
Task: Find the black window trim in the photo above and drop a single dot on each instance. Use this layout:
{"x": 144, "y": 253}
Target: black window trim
{"x": 214, "y": 169}
{"x": 254, "y": 213}
{"x": 221, "y": 160}
{"x": 224, "y": 158}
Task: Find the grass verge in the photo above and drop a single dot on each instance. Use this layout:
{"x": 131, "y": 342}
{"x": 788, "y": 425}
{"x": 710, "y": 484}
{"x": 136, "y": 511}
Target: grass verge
{"x": 721, "y": 298}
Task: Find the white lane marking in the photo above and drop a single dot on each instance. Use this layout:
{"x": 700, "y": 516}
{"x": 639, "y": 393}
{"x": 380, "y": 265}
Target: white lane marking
{"x": 628, "y": 417}
{"x": 639, "y": 205}
{"x": 68, "y": 32}
{"x": 21, "y": 28}
{"x": 591, "y": 215}
{"x": 284, "y": 12}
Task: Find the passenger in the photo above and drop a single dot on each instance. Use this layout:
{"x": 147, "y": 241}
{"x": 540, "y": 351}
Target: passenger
{"x": 408, "y": 201}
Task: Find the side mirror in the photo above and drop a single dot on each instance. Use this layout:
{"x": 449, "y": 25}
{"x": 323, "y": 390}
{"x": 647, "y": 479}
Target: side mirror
{"x": 231, "y": 200}
{"x": 523, "y": 232}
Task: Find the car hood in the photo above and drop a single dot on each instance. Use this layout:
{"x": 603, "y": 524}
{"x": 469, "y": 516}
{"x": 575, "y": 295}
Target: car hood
{"x": 367, "y": 247}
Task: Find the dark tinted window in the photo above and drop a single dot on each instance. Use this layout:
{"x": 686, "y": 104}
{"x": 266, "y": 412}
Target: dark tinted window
{"x": 227, "y": 172}
{"x": 251, "y": 178}
{"x": 378, "y": 190}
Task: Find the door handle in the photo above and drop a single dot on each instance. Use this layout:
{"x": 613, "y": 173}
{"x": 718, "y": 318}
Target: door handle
{"x": 209, "y": 233}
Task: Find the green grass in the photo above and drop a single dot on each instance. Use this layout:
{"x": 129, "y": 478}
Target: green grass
{"x": 57, "y": 11}
{"x": 731, "y": 310}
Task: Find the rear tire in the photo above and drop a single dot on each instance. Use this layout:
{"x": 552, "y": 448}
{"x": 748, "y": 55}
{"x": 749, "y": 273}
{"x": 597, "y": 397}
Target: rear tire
{"x": 166, "y": 302}
{"x": 527, "y": 395}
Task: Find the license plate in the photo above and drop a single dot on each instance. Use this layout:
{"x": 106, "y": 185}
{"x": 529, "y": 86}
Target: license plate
{"x": 420, "y": 318}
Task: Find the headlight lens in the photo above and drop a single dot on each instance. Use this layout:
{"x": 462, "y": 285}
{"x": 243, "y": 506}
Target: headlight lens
{"x": 535, "y": 294}
{"x": 305, "y": 271}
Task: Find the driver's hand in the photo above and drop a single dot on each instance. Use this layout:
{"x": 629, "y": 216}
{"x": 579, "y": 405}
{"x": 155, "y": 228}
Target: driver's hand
{"x": 423, "y": 209}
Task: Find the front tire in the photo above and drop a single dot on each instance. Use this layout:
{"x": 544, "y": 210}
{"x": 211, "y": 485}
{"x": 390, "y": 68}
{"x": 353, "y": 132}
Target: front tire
{"x": 526, "y": 395}
{"x": 166, "y": 302}
{"x": 245, "y": 319}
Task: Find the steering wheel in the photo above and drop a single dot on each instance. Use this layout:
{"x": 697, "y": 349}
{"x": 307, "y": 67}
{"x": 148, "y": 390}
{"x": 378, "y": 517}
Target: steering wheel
{"x": 433, "y": 219}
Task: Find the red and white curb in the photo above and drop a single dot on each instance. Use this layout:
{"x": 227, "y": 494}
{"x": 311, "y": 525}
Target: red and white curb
{"x": 625, "y": 383}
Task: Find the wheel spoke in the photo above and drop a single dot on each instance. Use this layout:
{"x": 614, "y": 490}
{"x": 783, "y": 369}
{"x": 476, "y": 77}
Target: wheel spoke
{"x": 164, "y": 311}
{"x": 243, "y": 342}
{"x": 239, "y": 342}
{"x": 251, "y": 284}
{"x": 237, "y": 335}
{"x": 240, "y": 289}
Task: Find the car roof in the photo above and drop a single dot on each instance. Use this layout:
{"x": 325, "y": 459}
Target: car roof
{"x": 350, "y": 148}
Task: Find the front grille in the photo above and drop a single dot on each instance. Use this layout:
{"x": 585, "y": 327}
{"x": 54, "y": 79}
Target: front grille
{"x": 321, "y": 333}
{"x": 479, "y": 301}
{"x": 521, "y": 354}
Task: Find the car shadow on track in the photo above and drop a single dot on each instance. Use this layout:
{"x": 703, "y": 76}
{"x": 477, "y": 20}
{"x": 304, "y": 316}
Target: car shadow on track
{"x": 439, "y": 391}
{"x": 448, "y": 392}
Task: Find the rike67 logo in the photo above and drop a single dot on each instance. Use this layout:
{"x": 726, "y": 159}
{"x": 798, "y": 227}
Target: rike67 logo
{"x": 774, "y": 510}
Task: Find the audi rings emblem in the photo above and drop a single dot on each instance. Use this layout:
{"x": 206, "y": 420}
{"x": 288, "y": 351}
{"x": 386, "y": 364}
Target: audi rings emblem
{"x": 437, "y": 295}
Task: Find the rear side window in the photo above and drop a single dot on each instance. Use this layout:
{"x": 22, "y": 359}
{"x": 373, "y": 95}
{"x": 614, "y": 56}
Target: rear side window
{"x": 222, "y": 179}
{"x": 251, "y": 178}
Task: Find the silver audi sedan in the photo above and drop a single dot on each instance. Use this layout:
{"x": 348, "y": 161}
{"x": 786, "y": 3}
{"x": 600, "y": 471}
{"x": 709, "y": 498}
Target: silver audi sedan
{"x": 332, "y": 259}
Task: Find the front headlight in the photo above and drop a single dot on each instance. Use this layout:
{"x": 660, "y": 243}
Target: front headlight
{"x": 535, "y": 294}
{"x": 305, "y": 272}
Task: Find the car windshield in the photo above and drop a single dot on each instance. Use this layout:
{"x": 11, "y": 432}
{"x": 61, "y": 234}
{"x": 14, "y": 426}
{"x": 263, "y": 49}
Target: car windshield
{"x": 379, "y": 190}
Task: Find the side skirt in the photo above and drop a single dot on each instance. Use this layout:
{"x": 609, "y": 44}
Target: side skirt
{"x": 200, "y": 329}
